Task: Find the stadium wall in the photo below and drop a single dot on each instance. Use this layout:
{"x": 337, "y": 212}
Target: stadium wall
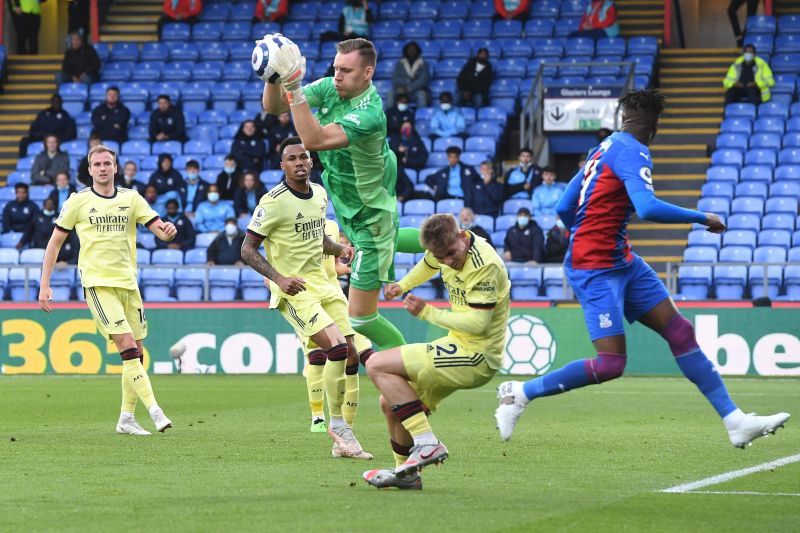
{"x": 246, "y": 338}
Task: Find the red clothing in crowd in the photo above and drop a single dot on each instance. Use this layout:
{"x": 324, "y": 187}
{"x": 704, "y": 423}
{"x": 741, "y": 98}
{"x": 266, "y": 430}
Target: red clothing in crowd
{"x": 182, "y": 9}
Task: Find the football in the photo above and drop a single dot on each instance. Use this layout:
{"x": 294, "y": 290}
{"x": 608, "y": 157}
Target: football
{"x": 530, "y": 346}
{"x": 260, "y": 62}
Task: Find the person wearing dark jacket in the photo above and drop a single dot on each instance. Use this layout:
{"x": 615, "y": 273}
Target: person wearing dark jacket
{"x": 110, "y": 119}
{"x": 399, "y": 114}
{"x": 39, "y": 232}
{"x": 466, "y": 219}
{"x": 275, "y": 135}
{"x": 51, "y": 121}
{"x": 487, "y": 195}
{"x": 524, "y": 242}
{"x": 248, "y": 147}
{"x": 167, "y": 122}
{"x": 129, "y": 180}
{"x": 404, "y": 187}
{"x": 246, "y": 197}
{"x": 408, "y": 147}
{"x": 18, "y": 213}
{"x": 165, "y": 178}
{"x": 185, "y": 237}
{"x": 557, "y": 243}
{"x": 49, "y": 162}
{"x": 475, "y": 79}
{"x": 193, "y": 190}
{"x": 456, "y": 180}
{"x": 226, "y": 249}
{"x": 411, "y": 76}
{"x": 83, "y": 167}
{"x": 228, "y": 180}
{"x": 61, "y": 191}
{"x": 81, "y": 63}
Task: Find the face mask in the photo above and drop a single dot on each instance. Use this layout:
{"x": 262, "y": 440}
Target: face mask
{"x": 129, "y": 179}
{"x": 213, "y": 197}
{"x": 446, "y": 107}
{"x": 48, "y": 213}
{"x": 525, "y": 166}
{"x": 229, "y": 170}
{"x": 748, "y": 57}
{"x": 191, "y": 176}
{"x": 402, "y": 107}
{"x": 230, "y": 230}
{"x": 467, "y": 225}
{"x": 64, "y": 188}
{"x": 523, "y": 220}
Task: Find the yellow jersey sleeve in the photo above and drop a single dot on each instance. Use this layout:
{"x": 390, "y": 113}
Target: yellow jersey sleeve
{"x": 68, "y": 216}
{"x": 266, "y": 217}
{"x": 143, "y": 213}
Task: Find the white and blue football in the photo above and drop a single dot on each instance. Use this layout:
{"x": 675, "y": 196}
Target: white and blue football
{"x": 260, "y": 62}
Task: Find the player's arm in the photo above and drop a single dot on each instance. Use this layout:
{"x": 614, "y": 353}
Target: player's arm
{"x": 315, "y": 136}
{"x": 259, "y": 263}
{"x": 568, "y": 202}
{"x": 331, "y": 247}
{"x": 273, "y": 99}
{"x": 50, "y": 256}
{"x": 147, "y": 216}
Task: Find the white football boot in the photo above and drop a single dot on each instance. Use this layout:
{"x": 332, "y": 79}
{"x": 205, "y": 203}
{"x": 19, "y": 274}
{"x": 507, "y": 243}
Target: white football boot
{"x": 127, "y": 426}
{"x": 160, "y": 419}
{"x": 512, "y": 404}
{"x": 751, "y": 426}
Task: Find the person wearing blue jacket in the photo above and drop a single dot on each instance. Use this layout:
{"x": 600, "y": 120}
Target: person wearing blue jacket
{"x": 456, "y": 180}
{"x": 487, "y": 193}
{"x": 193, "y": 190}
{"x": 447, "y": 121}
{"x": 546, "y": 196}
{"x": 211, "y": 214}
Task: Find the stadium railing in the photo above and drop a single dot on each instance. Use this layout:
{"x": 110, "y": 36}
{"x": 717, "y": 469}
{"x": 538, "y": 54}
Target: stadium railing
{"x": 673, "y": 269}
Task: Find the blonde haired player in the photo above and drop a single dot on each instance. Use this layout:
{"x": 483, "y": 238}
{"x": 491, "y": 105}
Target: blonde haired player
{"x": 415, "y": 378}
{"x": 105, "y": 218}
{"x": 349, "y": 387}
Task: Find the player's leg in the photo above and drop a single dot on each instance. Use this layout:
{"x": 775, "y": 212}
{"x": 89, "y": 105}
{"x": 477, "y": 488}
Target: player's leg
{"x": 352, "y": 391}
{"x": 666, "y": 320}
{"x": 316, "y": 390}
{"x": 408, "y": 241}
{"x": 336, "y": 308}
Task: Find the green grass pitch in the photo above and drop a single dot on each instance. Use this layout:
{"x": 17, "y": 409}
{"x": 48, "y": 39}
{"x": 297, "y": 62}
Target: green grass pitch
{"x": 241, "y": 458}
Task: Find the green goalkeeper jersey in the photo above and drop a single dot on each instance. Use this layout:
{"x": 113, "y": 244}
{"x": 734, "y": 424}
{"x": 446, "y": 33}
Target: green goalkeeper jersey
{"x": 361, "y": 177}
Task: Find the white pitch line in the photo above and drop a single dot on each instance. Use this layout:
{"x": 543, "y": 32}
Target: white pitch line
{"x": 746, "y": 493}
{"x": 727, "y": 476}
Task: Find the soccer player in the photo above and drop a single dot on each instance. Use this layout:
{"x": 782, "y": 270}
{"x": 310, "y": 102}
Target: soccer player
{"x": 291, "y": 217}
{"x": 415, "y": 378}
{"x": 105, "y": 219}
{"x": 612, "y": 283}
{"x": 316, "y": 356}
{"x": 349, "y": 132}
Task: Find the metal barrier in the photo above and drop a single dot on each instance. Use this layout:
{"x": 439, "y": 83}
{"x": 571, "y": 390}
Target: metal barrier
{"x": 673, "y": 270}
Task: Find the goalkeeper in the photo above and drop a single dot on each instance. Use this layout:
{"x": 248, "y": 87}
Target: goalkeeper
{"x": 349, "y": 132}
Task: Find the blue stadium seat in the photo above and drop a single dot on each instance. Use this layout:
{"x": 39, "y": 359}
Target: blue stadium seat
{"x": 554, "y": 284}
{"x": 769, "y": 124}
{"x": 700, "y": 237}
{"x": 214, "y": 51}
{"x": 717, "y": 188}
{"x": 740, "y": 109}
{"x": 457, "y": 49}
{"x": 756, "y": 173}
{"x": 167, "y": 257}
{"x": 124, "y": 51}
{"x": 752, "y": 188}
{"x": 787, "y": 43}
{"x": 759, "y": 156}
{"x": 789, "y": 156}
{"x": 773, "y": 109}
{"x": 510, "y": 207}
{"x": 419, "y": 207}
{"x": 739, "y": 238}
{"x": 17, "y": 280}
{"x": 476, "y": 28}
{"x": 643, "y": 45}
{"x": 539, "y": 27}
{"x": 782, "y": 204}
{"x": 747, "y": 221}
{"x": 8, "y": 253}
{"x": 580, "y": 46}
{"x": 764, "y": 43}
{"x": 413, "y": 221}
{"x": 392, "y": 10}
{"x": 103, "y": 51}
{"x": 196, "y": 256}
{"x": 771, "y": 141}
{"x": 548, "y": 47}
{"x": 747, "y": 204}
{"x": 157, "y": 283}
{"x": 791, "y": 140}
{"x": 176, "y": 31}
{"x": 713, "y": 204}
{"x": 450, "y": 205}
{"x": 486, "y": 145}
{"x": 208, "y": 31}
{"x": 602, "y": 66}
{"x": 767, "y": 254}
{"x": 694, "y": 281}
{"x": 116, "y": 72}
{"x": 223, "y": 283}
{"x": 761, "y": 24}
{"x": 143, "y": 256}
{"x": 736, "y": 141}
{"x": 736, "y": 254}
{"x": 736, "y": 125}
{"x": 454, "y": 9}
{"x": 146, "y": 240}
{"x": 779, "y": 221}
{"x": 417, "y": 29}
{"x": 260, "y": 29}
{"x": 190, "y": 282}
{"x": 134, "y": 148}
{"x": 519, "y": 48}
{"x": 730, "y": 281}
{"x": 727, "y": 157}
{"x": 785, "y": 188}
{"x": 252, "y": 285}
{"x": 784, "y": 63}
{"x": 207, "y": 71}
{"x": 775, "y": 237}
{"x": 507, "y": 28}
{"x": 386, "y": 29}
{"x": 723, "y": 173}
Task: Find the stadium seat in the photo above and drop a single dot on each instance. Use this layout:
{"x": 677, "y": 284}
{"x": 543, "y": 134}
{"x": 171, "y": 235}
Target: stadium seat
{"x": 124, "y": 51}
{"x": 143, "y": 256}
{"x": 717, "y": 188}
{"x": 8, "y": 254}
{"x": 747, "y": 204}
{"x": 775, "y": 237}
{"x": 146, "y": 240}
{"x": 223, "y": 283}
{"x": 779, "y": 221}
{"x": 743, "y": 110}
{"x": 736, "y": 125}
{"x": 758, "y": 156}
{"x": 167, "y": 257}
{"x": 176, "y": 31}
{"x": 419, "y": 207}
{"x": 195, "y": 256}
{"x": 396, "y": 11}
{"x": 752, "y": 188}
{"x": 450, "y": 205}
{"x": 774, "y": 274}
{"x": 761, "y": 24}
{"x": 417, "y": 29}
{"x": 770, "y": 141}
{"x": 19, "y": 279}
{"x": 744, "y": 221}
{"x": 782, "y": 204}
{"x": 739, "y": 238}
{"x": 714, "y": 204}
{"x": 701, "y": 237}
{"x": 190, "y": 283}
{"x": 252, "y": 285}
{"x": 787, "y": 172}
{"x": 727, "y": 157}
{"x": 729, "y": 282}
{"x": 503, "y": 222}
{"x": 554, "y": 284}
{"x": 157, "y": 283}
{"x": 694, "y": 281}
{"x": 723, "y": 173}
{"x": 736, "y": 141}
{"x": 756, "y": 173}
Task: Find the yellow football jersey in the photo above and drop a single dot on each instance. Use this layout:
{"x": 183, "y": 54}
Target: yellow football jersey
{"x": 293, "y": 225}
{"x": 482, "y": 283}
{"x": 106, "y": 227}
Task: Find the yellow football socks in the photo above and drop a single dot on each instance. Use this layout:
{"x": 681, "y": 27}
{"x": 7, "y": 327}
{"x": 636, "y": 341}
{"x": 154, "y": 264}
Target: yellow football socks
{"x": 332, "y": 378}
{"x": 128, "y": 397}
{"x": 134, "y": 373}
{"x": 316, "y": 392}
{"x": 351, "y": 394}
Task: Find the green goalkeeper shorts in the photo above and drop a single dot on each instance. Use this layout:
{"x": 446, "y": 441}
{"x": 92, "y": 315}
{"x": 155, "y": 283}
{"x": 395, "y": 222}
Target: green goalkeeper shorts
{"x": 374, "y": 236}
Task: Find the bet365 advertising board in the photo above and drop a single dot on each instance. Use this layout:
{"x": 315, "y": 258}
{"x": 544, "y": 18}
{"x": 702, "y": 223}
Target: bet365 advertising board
{"x": 249, "y": 339}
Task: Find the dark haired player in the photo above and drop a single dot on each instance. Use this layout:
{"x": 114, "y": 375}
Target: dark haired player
{"x": 612, "y": 283}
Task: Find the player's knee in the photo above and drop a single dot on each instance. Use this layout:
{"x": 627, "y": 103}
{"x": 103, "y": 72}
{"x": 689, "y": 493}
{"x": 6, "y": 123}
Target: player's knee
{"x": 317, "y": 358}
{"x": 679, "y": 334}
{"x": 606, "y": 366}
{"x": 385, "y": 407}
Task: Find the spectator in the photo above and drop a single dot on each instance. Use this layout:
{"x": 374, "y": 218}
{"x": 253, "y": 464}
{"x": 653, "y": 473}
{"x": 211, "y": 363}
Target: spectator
{"x": 166, "y": 122}
{"x": 404, "y": 188}
{"x": 466, "y": 218}
{"x": 61, "y": 191}
{"x": 397, "y": 115}
{"x": 524, "y": 242}
{"x": 487, "y": 194}
{"x": 83, "y": 167}
{"x": 51, "y": 121}
{"x": 228, "y": 180}
{"x": 212, "y": 214}
{"x": 49, "y": 162}
{"x": 557, "y": 243}
{"x": 408, "y": 147}
{"x": 599, "y": 20}
{"x": 81, "y": 63}
{"x": 733, "y": 7}
{"x": 411, "y": 76}
{"x": 447, "y": 121}
{"x": 41, "y": 229}
{"x": 165, "y": 178}
{"x": 453, "y": 181}
{"x": 512, "y": 9}
{"x": 264, "y": 122}
{"x": 271, "y": 11}
{"x": 246, "y": 197}
{"x": 180, "y": 11}
{"x": 18, "y": 214}
{"x": 129, "y": 180}
{"x": 226, "y": 249}
{"x": 475, "y": 79}
{"x": 749, "y": 78}
{"x": 110, "y": 119}
{"x": 248, "y": 147}
{"x": 545, "y": 196}
{"x": 523, "y": 178}
{"x": 159, "y": 202}
{"x": 280, "y": 130}
{"x": 27, "y": 18}
{"x": 193, "y": 191}
{"x": 184, "y": 239}
{"x": 355, "y": 20}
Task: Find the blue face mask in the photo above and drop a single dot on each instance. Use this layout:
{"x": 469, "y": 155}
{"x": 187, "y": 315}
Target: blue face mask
{"x": 523, "y": 220}
{"x": 229, "y": 170}
{"x": 213, "y": 197}
{"x": 191, "y": 177}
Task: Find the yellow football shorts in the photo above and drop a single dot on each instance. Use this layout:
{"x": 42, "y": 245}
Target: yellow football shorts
{"x": 117, "y": 311}
{"x": 439, "y": 368}
{"x": 308, "y": 317}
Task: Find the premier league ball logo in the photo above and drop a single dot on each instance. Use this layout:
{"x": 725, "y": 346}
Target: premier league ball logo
{"x": 530, "y": 346}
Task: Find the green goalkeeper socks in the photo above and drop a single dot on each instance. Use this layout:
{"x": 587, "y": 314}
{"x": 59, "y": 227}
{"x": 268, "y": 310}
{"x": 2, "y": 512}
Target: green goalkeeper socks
{"x": 408, "y": 241}
{"x": 379, "y": 330}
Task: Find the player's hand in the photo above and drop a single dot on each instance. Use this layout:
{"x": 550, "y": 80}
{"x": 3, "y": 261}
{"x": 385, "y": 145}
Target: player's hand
{"x": 347, "y": 254}
{"x": 714, "y": 223}
{"x": 169, "y": 230}
{"x": 392, "y": 291}
{"x": 287, "y": 61}
{"x": 414, "y": 304}
{"x": 45, "y": 297}
{"x": 291, "y": 286}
